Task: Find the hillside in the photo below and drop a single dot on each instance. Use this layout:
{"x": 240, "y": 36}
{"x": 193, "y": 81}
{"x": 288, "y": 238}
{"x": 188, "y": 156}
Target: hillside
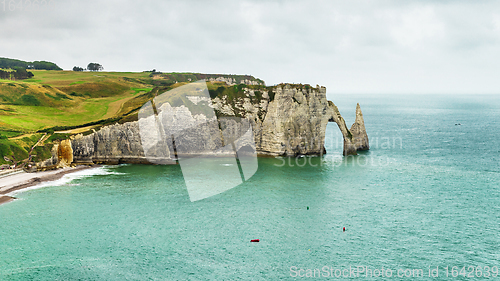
{"x": 71, "y": 102}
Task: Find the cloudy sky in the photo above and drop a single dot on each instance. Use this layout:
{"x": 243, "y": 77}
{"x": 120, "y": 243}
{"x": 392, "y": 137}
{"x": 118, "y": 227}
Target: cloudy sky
{"x": 348, "y": 46}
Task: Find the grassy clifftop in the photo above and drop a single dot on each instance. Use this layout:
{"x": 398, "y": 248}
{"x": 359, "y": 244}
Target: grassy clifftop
{"x": 76, "y": 102}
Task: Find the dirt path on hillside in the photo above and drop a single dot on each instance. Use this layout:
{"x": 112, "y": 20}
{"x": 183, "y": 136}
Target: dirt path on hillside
{"x": 115, "y": 107}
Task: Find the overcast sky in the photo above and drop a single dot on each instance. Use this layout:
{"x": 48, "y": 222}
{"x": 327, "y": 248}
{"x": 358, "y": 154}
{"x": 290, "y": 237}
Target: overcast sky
{"x": 347, "y": 46}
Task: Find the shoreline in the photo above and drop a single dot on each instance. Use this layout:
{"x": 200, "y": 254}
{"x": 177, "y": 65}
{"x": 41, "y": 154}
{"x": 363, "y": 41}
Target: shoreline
{"x": 24, "y": 180}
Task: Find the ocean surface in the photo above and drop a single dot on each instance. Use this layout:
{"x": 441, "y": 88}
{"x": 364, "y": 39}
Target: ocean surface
{"x": 425, "y": 199}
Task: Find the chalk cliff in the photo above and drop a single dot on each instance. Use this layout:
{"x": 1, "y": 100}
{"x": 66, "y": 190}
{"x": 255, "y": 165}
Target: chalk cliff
{"x": 287, "y": 120}
{"x": 295, "y": 122}
{"x": 113, "y": 144}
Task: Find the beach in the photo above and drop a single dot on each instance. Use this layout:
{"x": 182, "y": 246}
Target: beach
{"x": 20, "y": 179}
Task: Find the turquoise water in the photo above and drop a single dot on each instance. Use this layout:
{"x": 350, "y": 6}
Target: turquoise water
{"x": 426, "y": 194}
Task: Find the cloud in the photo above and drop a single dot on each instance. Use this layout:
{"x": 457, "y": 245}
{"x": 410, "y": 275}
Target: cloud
{"x": 349, "y": 46}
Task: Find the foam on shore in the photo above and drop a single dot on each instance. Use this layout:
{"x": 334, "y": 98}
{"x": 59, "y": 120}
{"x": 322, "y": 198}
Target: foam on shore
{"x": 69, "y": 177}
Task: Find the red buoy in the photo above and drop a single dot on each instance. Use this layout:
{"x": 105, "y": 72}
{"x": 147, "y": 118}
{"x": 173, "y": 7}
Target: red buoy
{"x": 343, "y": 229}
{"x": 254, "y": 240}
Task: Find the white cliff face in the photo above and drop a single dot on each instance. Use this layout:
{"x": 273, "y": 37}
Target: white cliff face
{"x": 115, "y": 144}
{"x": 249, "y": 82}
{"x": 291, "y": 124}
{"x": 295, "y": 122}
{"x": 229, "y": 81}
{"x": 232, "y": 81}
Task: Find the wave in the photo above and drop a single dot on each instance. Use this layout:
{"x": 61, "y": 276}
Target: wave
{"x": 68, "y": 178}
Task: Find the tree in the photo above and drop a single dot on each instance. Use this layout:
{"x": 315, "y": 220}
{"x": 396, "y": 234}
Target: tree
{"x": 12, "y": 63}
{"x": 93, "y": 66}
{"x": 21, "y": 73}
{"x": 44, "y": 65}
{"x": 77, "y": 68}
{"x": 4, "y": 74}
{"x": 18, "y": 74}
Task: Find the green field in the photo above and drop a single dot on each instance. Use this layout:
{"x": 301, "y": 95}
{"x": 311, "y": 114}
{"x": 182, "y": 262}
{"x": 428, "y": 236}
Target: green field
{"x": 66, "y": 98}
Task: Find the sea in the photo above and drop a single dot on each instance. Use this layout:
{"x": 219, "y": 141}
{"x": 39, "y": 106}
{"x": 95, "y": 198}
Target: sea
{"x": 422, "y": 203}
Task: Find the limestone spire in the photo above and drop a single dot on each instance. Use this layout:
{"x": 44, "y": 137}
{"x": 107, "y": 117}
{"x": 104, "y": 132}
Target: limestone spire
{"x": 354, "y": 139}
{"x": 358, "y": 131}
